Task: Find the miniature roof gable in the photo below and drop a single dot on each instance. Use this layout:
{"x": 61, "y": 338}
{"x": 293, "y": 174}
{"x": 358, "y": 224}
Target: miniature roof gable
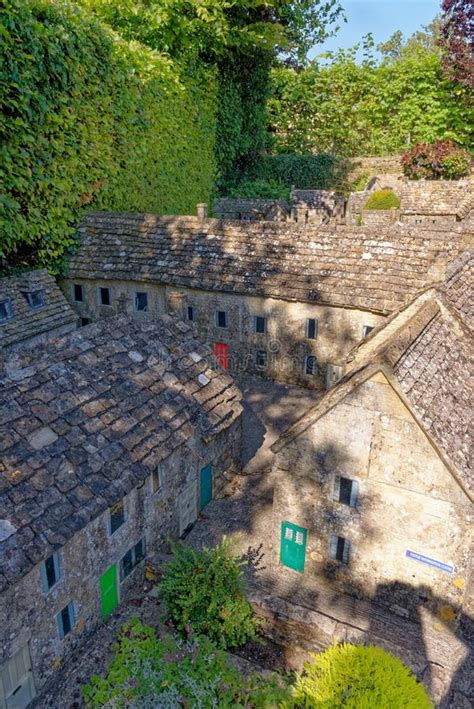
{"x": 28, "y": 319}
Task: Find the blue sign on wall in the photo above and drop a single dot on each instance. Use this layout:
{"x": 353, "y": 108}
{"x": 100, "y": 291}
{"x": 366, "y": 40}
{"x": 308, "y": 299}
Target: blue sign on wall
{"x": 431, "y": 562}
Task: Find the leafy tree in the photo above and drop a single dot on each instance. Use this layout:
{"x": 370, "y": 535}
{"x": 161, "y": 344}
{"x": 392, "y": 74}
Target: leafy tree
{"x": 441, "y": 160}
{"x": 457, "y": 40}
{"x": 354, "y": 676}
{"x": 148, "y": 672}
{"x": 347, "y": 108}
{"x": 204, "y": 591}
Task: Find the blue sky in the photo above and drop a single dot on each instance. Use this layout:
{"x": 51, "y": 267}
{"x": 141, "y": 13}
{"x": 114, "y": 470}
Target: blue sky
{"x": 382, "y": 18}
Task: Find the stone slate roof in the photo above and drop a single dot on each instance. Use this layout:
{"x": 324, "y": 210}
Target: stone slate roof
{"x": 26, "y": 321}
{"x": 316, "y": 199}
{"x": 374, "y": 269}
{"x": 436, "y": 197}
{"x": 459, "y": 286}
{"x": 426, "y": 352}
{"x": 85, "y": 422}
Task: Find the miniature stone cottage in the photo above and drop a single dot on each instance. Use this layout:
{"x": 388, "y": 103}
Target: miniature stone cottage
{"x": 373, "y": 489}
{"x": 111, "y": 443}
{"x": 32, "y": 309}
{"x": 285, "y": 301}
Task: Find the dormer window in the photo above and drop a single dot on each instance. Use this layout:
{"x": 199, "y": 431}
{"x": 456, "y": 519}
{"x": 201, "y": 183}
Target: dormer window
{"x": 6, "y": 310}
{"x": 35, "y": 299}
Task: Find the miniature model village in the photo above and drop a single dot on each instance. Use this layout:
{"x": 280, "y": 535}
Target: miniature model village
{"x": 123, "y": 419}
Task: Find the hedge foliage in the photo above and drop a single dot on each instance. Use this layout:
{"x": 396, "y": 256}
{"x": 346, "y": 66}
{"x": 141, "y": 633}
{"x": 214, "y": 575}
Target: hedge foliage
{"x": 358, "y": 677}
{"x": 90, "y": 120}
{"x": 204, "y": 591}
{"x": 382, "y": 199}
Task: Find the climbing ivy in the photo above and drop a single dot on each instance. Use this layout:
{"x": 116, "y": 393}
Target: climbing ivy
{"x": 90, "y": 120}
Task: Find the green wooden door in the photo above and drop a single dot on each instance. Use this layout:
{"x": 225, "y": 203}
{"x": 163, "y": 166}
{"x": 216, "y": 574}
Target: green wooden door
{"x": 205, "y": 486}
{"x": 293, "y": 546}
{"x": 108, "y": 590}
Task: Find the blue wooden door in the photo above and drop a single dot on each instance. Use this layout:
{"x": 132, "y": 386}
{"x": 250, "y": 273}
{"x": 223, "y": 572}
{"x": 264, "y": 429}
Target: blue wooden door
{"x": 205, "y": 486}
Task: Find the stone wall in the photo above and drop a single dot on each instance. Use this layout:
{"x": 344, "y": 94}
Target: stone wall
{"x": 28, "y": 614}
{"x": 284, "y": 341}
{"x": 407, "y": 500}
{"x": 378, "y": 217}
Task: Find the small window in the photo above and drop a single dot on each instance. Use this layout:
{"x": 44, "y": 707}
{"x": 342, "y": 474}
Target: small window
{"x": 51, "y": 571}
{"x": 85, "y": 321}
{"x": 345, "y": 490}
{"x": 311, "y": 328}
{"x": 260, "y": 324}
{"x": 104, "y": 296}
{"x": 222, "y": 319}
{"x": 339, "y": 549}
{"x": 132, "y": 558}
{"x": 366, "y": 330}
{"x": 78, "y": 293}
{"x": 117, "y": 516}
{"x": 261, "y": 358}
{"x": 66, "y": 620}
{"x": 35, "y": 299}
{"x": 191, "y": 313}
{"x": 310, "y": 365}
{"x": 157, "y": 479}
{"x": 141, "y": 302}
{"x": 6, "y": 310}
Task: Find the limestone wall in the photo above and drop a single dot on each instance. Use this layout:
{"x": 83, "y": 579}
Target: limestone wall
{"x": 284, "y": 341}
{"x": 408, "y": 500}
{"x": 28, "y": 614}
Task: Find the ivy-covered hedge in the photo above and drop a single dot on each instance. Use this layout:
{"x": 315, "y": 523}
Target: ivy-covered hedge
{"x": 91, "y": 121}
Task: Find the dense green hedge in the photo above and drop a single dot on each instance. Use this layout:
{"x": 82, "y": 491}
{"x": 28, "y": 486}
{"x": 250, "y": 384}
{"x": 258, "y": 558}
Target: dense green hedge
{"x": 90, "y": 121}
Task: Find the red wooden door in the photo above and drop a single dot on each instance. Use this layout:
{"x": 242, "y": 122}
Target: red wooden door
{"x": 221, "y": 350}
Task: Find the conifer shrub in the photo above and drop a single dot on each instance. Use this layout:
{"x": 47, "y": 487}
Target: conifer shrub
{"x": 358, "y": 677}
{"x": 382, "y": 199}
{"x": 442, "y": 160}
{"x": 148, "y": 671}
{"x": 204, "y": 591}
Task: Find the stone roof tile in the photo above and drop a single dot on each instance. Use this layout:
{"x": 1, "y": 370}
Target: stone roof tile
{"x": 74, "y": 447}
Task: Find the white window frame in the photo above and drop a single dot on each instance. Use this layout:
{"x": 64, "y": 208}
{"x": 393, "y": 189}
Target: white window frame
{"x": 122, "y": 575}
{"x": 337, "y": 490}
{"x": 109, "y": 517}
{"x": 57, "y": 571}
{"x": 333, "y": 544}
{"x": 99, "y": 296}
{"x": 314, "y": 368}
{"x": 72, "y": 619}
{"x": 366, "y": 330}
{"x": 255, "y": 320}
{"x": 257, "y": 353}
{"x": 316, "y": 326}
{"x": 158, "y": 472}
{"x": 222, "y": 327}
{"x": 28, "y": 295}
{"x": 8, "y": 308}
{"x": 73, "y": 288}
{"x": 147, "y": 306}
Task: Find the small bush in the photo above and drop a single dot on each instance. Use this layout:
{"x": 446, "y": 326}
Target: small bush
{"x": 260, "y": 189}
{"x": 436, "y": 161}
{"x": 382, "y": 199}
{"x": 204, "y": 591}
{"x": 357, "y": 677}
{"x": 149, "y": 672}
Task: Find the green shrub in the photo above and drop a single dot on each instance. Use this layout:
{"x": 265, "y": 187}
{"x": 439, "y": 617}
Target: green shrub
{"x": 149, "y": 672}
{"x": 92, "y": 121}
{"x": 302, "y": 171}
{"x": 204, "y": 591}
{"x": 436, "y": 161}
{"x": 260, "y": 189}
{"x": 382, "y": 199}
{"x": 358, "y": 677}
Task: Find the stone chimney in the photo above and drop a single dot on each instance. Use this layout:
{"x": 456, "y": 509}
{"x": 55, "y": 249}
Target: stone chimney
{"x": 202, "y": 211}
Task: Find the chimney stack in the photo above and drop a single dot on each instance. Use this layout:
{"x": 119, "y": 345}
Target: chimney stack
{"x": 202, "y": 211}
